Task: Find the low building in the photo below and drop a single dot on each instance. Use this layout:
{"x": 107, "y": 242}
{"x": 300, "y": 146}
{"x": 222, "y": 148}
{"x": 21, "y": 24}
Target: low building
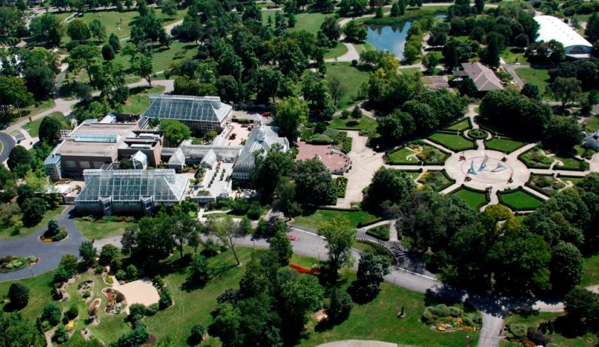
{"x": 93, "y": 144}
{"x": 200, "y": 113}
{"x": 130, "y": 191}
{"x": 261, "y": 137}
{"x": 592, "y": 141}
{"x": 553, "y": 28}
{"x": 484, "y": 78}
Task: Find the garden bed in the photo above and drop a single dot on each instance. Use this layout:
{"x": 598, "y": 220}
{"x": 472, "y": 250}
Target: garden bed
{"x": 460, "y": 125}
{"x": 116, "y": 301}
{"x": 506, "y": 146}
{"x": 418, "y": 153}
{"x": 449, "y": 318}
{"x": 478, "y": 134}
{"x": 400, "y": 157}
{"x": 341, "y": 186}
{"x": 437, "y": 180}
{"x": 374, "y": 247}
{"x": 570, "y": 163}
{"x": 519, "y": 200}
{"x": 380, "y": 232}
{"x": 456, "y": 143}
{"x": 12, "y": 263}
{"x": 545, "y": 184}
{"x": 473, "y": 198}
{"x": 535, "y": 158}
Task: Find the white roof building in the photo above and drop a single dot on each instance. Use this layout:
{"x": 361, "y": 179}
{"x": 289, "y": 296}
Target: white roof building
{"x": 553, "y": 28}
{"x": 261, "y": 137}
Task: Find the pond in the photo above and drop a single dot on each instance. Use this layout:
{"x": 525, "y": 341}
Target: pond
{"x": 391, "y": 38}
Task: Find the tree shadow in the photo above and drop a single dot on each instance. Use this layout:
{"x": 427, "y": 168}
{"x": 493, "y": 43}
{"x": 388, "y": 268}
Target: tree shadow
{"x": 10, "y": 307}
{"x": 189, "y": 285}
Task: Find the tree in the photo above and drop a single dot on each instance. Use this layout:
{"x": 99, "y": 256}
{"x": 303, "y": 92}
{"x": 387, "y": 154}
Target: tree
{"x": 197, "y": 335}
{"x": 340, "y": 238}
{"x": 290, "y": 114}
{"x": 581, "y": 308}
{"x": 467, "y": 87}
{"x": 280, "y": 246}
{"x": 46, "y": 28}
{"x": 107, "y": 52}
{"x": 299, "y": 294}
{"x": 336, "y": 88}
{"x": 330, "y": 30}
{"x": 355, "y": 32}
{"x": 395, "y": 10}
{"x": 51, "y": 313}
{"x": 388, "y": 185}
{"x": 15, "y": 331}
{"x": 531, "y": 91}
{"x": 114, "y": 42}
{"x": 390, "y": 128}
{"x": 316, "y": 93}
{"x": 340, "y": 306}
{"x": 314, "y": 184}
{"x": 174, "y": 132}
{"x": 11, "y": 18}
{"x": 78, "y": 30}
{"x": 13, "y": 94}
{"x": 592, "y": 29}
{"x": 87, "y": 252}
{"x": 521, "y": 41}
{"x": 565, "y": 89}
{"x": 110, "y": 255}
{"x": 136, "y": 312}
{"x": 200, "y": 271}
{"x": 371, "y": 271}
{"x": 18, "y": 295}
{"x": 97, "y": 30}
{"x": 563, "y": 133}
{"x": 68, "y": 262}
{"x": 53, "y": 228}
{"x": 493, "y": 50}
{"x": 142, "y": 66}
{"x": 169, "y": 8}
{"x": 40, "y": 81}
{"x": 142, "y": 8}
{"x": 226, "y": 324}
{"x": 227, "y": 231}
{"x": 49, "y": 132}
{"x": 565, "y": 267}
{"x": 19, "y": 161}
{"x": 33, "y": 211}
{"x": 430, "y": 61}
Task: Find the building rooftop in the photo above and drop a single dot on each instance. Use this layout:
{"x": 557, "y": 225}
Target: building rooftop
{"x": 187, "y": 108}
{"x": 261, "y": 137}
{"x": 483, "y": 77}
{"x": 553, "y": 28}
{"x": 96, "y": 139}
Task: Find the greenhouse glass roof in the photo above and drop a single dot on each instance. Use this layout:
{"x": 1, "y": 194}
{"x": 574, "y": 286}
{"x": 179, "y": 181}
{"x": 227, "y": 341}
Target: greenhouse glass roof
{"x": 132, "y": 185}
{"x": 187, "y": 108}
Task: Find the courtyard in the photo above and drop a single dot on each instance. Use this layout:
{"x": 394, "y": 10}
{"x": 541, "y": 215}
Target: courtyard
{"x": 335, "y": 161}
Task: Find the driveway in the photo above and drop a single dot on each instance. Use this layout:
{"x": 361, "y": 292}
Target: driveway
{"x": 8, "y": 143}
{"x": 49, "y": 253}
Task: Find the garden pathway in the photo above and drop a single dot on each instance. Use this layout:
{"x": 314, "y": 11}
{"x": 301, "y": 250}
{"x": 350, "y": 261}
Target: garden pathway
{"x": 358, "y": 343}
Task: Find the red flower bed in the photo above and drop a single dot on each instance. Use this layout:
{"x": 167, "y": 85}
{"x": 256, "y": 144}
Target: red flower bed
{"x": 303, "y": 270}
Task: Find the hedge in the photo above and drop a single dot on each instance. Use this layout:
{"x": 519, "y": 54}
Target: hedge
{"x": 484, "y": 135}
{"x": 381, "y": 232}
{"x": 341, "y": 186}
{"x": 486, "y": 192}
{"x": 368, "y": 222}
{"x": 380, "y": 249}
{"x": 510, "y": 191}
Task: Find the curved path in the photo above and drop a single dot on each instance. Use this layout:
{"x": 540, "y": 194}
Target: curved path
{"x": 8, "y": 143}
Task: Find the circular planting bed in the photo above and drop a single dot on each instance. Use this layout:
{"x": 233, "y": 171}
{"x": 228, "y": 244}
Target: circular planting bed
{"x": 11, "y": 263}
{"x": 54, "y": 233}
{"x": 478, "y": 134}
{"x": 85, "y": 290}
{"x": 116, "y": 301}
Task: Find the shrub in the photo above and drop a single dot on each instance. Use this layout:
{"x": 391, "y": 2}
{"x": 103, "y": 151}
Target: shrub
{"x": 254, "y": 211}
{"x": 454, "y": 311}
{"x": 72, "y": 312}
{"x": 440, "y": 310}
{"x": 121, "y": 275}
{"x": 152, "y": 310}
{"x": 51, "y": 314}
{"x": 166, "y": 299}
{"x": 136, "y": 312}
{"x": 60, "y": 236}
{"x": 354, "y": 62}
{"x": 18, "y": 295}
{"x": 120, "y": 297}
{"x": 131, "y": 272}
{"x": 98, "y": 269}
{"x": 158, "y": 282}
{"x": 467, "y": 321}
{"x": 86, "y": 294}
{"x": 197, "y": 335}
{"x": 427, "y": 316}
{"x": 584, "y": 165}
{"x": 518, "y": 330}
{"x": 340, "y": 306}
{"x": 210, "y": 248}
{"x": 60, "y": 334}
{"x": 341, "y": 186}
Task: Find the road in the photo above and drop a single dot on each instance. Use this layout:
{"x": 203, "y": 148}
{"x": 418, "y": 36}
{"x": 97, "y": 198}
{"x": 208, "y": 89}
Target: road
{"x": 8, "y": 143}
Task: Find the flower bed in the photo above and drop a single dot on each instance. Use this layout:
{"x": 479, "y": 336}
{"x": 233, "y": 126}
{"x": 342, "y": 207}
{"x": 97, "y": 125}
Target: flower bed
{"x": 545, "y": 184}
{"x": 11, "y": 263}
{"x": 449, "y": 318}
{"x": 116, "y": 301}
{"x": 303, "y": 270}
{"x": 535, "y": 158}
{"x": 437, "y": 180}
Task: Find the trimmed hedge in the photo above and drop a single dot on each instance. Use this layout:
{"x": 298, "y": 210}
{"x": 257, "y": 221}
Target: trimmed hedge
{"x": 381, "y": 232}
{"x": 481, "y": 136}
{"x": 381, "y": 250}
{"x": 341, "y": 186}
{"x": 540, "y": 189}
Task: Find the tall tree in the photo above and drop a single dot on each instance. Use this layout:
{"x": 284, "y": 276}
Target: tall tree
{"x": 88, "y": 253}
{"x": 340, "y": 238}
{"x": 314, "y": 184}
{"x": 227, "y": 231}
{"x": 371, "y": 271}
{"x": 78, "y": 30}
{"x": 13, "y": 94}
{"x": 141, "y": 66}
{"x": 565, "y": 267}
{"x": 19, "y": 161}
{"x": 49, "y": 132}
{"x": 174, "y": 132}
{"x": 16, "y": 331}
{"x": 355, "y": 32}
{"x": 97, "y": 30}
{"x": 290, "y": 114}
{"x": 565, "y": 89}
{"x": 169, "y": 8}
{"x": 280, "y": 246}
{"x": 388, "y": 185}
{"x": 563, "y": 133}
{"x": 18, "y": 294}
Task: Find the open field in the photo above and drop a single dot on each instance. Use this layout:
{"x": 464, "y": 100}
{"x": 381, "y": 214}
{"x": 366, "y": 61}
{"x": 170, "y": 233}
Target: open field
{"x": 503, "y": 145}
{"x": 520, "y": 200}
{"x": 454, "y": 142}
{"x": 336, "y": 51}
{"x": 319, "y": 216}
{"x": 163, "y": 57}
{"x": 139, "y": 99}
{"x": 513, "y": 55}
{"x": 309, "y": 21}
{"x": 476, "y": 200}
{"x": 350, "y": 77}
{"x": 540, "y": 77}
{"x": 33, "y": 110}
{"x": 33, "y": 128}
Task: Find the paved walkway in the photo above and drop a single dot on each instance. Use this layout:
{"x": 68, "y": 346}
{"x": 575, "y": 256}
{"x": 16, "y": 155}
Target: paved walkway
{"x": 358, "y": 343}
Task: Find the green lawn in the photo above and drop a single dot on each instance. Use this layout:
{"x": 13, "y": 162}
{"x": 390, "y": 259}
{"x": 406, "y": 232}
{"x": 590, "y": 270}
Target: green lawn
{"x": 513, "y": 55}
{"x": 570, "y": 163}
{"x": 139, "y": 99}
{"x": 309, "y": 21}
{"x": 590, "y": 271}
{"x": 336, "y": 51}
{"x": 351, "y": 78}
{"x": 8, "y": 233}
{"x": 540, "y": 77}
{"x": 319, "y": 216}
{"x": 413, "y": 174}
{"x": 33, "y": 128}
{"x": 454, "y": 142}
{"x": 365, "y": 124}
{"x": 33, "y": 110}
{"x": 435, "y": 180}
{"x": 591, "y": 124}
{"x": 459, "y": 126}
{"x": 520, "y": 200}
{"x": 476, "y": 200}
{"x": 400, "y": 155}
{"x": 365, "y": 46}
{"x": 534, "y": 319}
{"x": 572, "y": 179}
{"x": 98, "y": 230}
{"x": 409, "y": 70}
{"x": 503, "y": 145}
{"x": 163, "y": 57}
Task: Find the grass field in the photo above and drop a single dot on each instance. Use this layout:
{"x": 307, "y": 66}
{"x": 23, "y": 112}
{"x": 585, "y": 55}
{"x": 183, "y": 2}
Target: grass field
{"x": 309, "y": 21}
{"x": 503, "y": 145}
{"x": 540, "y": 77}
{"x": 313, "y": 220}
{"x": 591, "y": 124}
{"x": 400, "y": 155}
{"x": 459, "y": 126}
{"x": 476, "y": 200}
{"x": 365, "y": 46}
{"x": 336, "y": 51}
{"x": 520, "y": 200}
{"x": 572, "y": 179}
{"x": 570, "y": 163}
{"x": 139, "y": 100}
{"x": 7, "y": 233}
{"x": 365, "y": 124}
{"x": 351, "y": 78}
{"x": 513, "y": 55}
{"x": 101, "y": 230}
{"x": 454, "y": 142}
{"x": 590, "y": 271}
{"x": 33, "y": 110}
{"x": 33, "y": 128}
{"x": 163, "y": 57}
{"x": 533, "y": 320}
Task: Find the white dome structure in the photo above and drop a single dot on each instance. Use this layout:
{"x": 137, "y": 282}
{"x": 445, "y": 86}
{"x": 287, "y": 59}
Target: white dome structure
{"x": 553, "y": 28}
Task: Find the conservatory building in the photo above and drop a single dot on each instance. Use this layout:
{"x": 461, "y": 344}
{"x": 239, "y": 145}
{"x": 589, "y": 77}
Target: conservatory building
{"x": 200, "y": 113}
{"x": 130, "y": 191}
{"x": 260, "y": 138}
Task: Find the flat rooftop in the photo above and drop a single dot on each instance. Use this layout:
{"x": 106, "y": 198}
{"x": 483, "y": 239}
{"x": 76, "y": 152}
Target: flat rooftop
{"x": 97, "y": 139}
